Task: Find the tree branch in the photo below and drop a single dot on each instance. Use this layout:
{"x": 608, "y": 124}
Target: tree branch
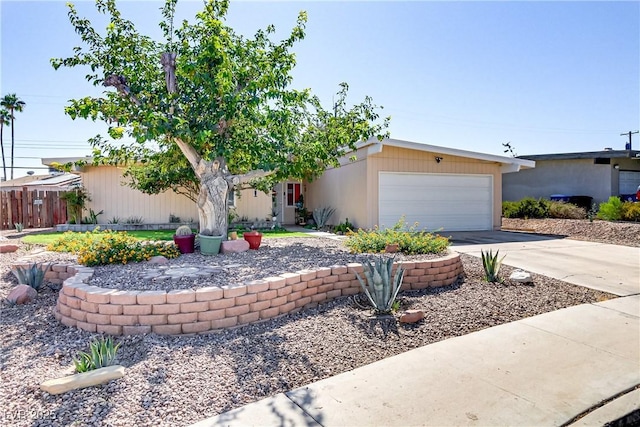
{"x": 191, "y": 154}
{"x": 254, "y": 175}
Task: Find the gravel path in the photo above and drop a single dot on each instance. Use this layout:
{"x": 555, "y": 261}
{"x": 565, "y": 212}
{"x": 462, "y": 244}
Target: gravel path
{"x": 175, "y": 381}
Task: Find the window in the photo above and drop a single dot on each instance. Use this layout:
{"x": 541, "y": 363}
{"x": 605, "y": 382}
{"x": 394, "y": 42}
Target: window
{"x": 293, "y": 193}
{"x": 231, "y": 199}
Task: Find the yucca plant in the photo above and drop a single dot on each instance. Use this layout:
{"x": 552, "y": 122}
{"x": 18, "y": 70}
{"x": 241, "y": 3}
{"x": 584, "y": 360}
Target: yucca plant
{"x": 322, "y": 215}
{"x": 19, "y": 226}
{"x": 32, "y": 275}
{"x": 381, "y": 287}
{"x": 102, "y": 353}
{"x": 491, "y": 265}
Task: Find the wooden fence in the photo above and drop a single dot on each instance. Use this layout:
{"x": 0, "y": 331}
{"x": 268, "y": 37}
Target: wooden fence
{"x": 32, "y": 208}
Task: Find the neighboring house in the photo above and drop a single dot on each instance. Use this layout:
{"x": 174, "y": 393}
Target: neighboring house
{"x": 598, "y": 174}
{"x": 440, "y": 188}
{"x": 51, "y": 182}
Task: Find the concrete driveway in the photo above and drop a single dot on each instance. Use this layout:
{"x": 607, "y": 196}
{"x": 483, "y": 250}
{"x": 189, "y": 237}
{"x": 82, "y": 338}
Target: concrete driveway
{"x": 609, "y": 268}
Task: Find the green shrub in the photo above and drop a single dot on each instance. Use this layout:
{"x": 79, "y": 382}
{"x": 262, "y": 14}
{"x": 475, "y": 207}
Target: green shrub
{"x": 566, "y": 211}
{"x": 611, "y": 210}
{"x": 631, "y": 211}
{"x": 409, "y": 240}
{"x": 344, "y": 227}
{"x": 510, "y": 209}
{"x": 109, "y": 247}
{"x": 532, "y": 208}
{"x": 102, "y": 353}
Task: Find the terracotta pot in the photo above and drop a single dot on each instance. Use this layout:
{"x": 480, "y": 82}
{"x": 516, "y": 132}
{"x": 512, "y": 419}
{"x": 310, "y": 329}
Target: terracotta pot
{"x": 254, "y": 238}
{"x": 185, "y": 243}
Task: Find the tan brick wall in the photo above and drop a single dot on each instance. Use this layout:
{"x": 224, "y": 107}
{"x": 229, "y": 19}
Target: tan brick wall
{"x": 176, "y": 312}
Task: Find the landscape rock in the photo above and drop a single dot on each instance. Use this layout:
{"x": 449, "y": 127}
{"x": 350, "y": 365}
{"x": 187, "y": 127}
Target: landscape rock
{"x": 234, "y": 246}
{"x": 412, "y": 316}
{"x": 7, "y": 248}
{"x": 521, "y": 276}
{"x": 85, "y": 379}
{"x": 22, "y": 294}
{"x": 158, "y": 259}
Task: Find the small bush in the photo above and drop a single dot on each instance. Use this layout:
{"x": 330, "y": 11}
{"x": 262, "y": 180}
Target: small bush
{"x": 532, "y": 208}
{"x": 344, "y": 227}
{"x": 510, "y": 209}
{"x": 410, "y": 241}
{"x": 566, "y": 211}
{"x": 611, "y": 210}
{"x": 109, "y": 247}
{"x": 631, "y": 211}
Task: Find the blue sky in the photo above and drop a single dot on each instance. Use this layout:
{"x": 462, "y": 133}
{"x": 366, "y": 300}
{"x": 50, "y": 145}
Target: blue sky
{"x": 549, "y": 77}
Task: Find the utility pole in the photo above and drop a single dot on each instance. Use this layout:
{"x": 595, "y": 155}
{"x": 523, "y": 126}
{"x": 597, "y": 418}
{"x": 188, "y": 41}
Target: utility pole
{"x": 628, "y": 146}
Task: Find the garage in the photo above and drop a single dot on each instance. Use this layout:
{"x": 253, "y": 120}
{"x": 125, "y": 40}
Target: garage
{"x": 451, "y": 202}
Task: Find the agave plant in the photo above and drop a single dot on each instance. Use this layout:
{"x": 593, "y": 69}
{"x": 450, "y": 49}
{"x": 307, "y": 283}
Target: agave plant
{"x": 322, "y": 215}
{"x": 381, "y": 287}
{"x": 102, "y": 352}
{"x": 32, "y": 275}
{"x": 491, "y": 265}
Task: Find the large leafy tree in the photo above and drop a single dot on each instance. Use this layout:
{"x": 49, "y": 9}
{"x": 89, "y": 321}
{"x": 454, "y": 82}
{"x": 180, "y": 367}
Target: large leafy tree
{"x": 4, "y": 121}
{"x": 13, "y": 104}
{"x": 209, "y": 109}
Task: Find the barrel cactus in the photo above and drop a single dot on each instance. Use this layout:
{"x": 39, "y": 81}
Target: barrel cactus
{"x": 184, "y": 230}
{"x": 381, "y": 286}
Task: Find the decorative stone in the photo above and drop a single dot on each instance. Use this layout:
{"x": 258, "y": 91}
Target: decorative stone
{"x": 22, "y": 294}
{"x": 521, "y": 276}
{"x": 158, "y": 259}
{"x": 234, "y": 246}
{"x": 85, "y": 379}
{"x": 412, "y": 316}
{"x": 8, "y": 247}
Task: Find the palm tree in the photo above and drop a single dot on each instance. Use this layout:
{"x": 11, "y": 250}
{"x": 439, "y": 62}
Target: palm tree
{"x": 4, "y": 121}
{"x": 12, "y": 103}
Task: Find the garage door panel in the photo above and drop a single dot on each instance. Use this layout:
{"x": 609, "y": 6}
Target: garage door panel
{"x": 436, "y": 201}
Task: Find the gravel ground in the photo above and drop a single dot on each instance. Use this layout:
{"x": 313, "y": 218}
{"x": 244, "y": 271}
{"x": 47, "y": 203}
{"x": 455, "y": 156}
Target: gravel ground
{"x": 616, "y": 233}
{"x": 175, "y": 381}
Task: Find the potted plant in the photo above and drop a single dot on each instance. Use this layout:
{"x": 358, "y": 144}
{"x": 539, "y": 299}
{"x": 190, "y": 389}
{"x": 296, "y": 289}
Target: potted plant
{"x": 184, "y": 239}
{"x": 210, "y": 241}
{"x": 254, "y": 238}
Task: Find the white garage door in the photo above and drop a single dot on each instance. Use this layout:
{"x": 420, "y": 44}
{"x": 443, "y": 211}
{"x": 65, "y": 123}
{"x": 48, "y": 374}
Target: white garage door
{"x": 436, "y": 201}
{"x": 629, "y": 182}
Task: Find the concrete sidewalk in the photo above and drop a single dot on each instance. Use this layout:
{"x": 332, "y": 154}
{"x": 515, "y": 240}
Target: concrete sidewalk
{"x": 543, "y": 370}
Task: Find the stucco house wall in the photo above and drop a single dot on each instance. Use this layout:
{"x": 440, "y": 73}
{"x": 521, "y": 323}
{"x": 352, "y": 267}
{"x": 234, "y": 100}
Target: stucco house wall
{"x": 572, "y": 174}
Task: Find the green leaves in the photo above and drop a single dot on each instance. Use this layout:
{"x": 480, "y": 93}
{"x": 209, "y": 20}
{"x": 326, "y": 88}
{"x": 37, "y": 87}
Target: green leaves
{"x": 233, "y": 98}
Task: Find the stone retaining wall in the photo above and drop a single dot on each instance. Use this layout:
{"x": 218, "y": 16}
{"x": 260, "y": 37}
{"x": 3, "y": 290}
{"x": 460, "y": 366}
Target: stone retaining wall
{"x": 190, "y": 311}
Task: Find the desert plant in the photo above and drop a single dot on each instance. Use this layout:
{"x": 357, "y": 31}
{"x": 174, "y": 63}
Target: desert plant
{"x": 410, "y": 240}
{"x": 76, "y": 201}
{"x": 32, "y": 275}
{"x": 611, "y": 210}
{"x": 93, "y": 217}
{"x": 381, "y": 286}
{"x": 174, "y": 219}
{"x": 207, "y": 232}
{"x": 134, "y": 220}
{"x": 491, "y": 265}
{"x": 322, "y": 215}
{"x": 19, "y": 226}
{"x": 184, "y": 230}
{"x": 631, "y": 211}
{"x": 532, "y": 208}
{"x": 344, "y": 227}
{"x": 566, "y": 211}
{"x": 114, "y": 220}
{"x": 102, "y": 353}
{"x": 510, "y": 209}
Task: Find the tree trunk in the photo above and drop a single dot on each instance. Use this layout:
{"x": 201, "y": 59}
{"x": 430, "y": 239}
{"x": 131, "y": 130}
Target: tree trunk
{"x": 215, "y": 184}
{"x": 4, "y": 164}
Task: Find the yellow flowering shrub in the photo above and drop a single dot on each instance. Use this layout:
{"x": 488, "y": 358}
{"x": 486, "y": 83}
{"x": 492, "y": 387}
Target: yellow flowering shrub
{"x": 109, "y": 247}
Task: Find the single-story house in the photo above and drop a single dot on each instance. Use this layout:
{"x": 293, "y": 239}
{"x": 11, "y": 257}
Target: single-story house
{"x": 597, "y": 174}
{"x": 440, "y": 188}
{"x": 50, "y": 182}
